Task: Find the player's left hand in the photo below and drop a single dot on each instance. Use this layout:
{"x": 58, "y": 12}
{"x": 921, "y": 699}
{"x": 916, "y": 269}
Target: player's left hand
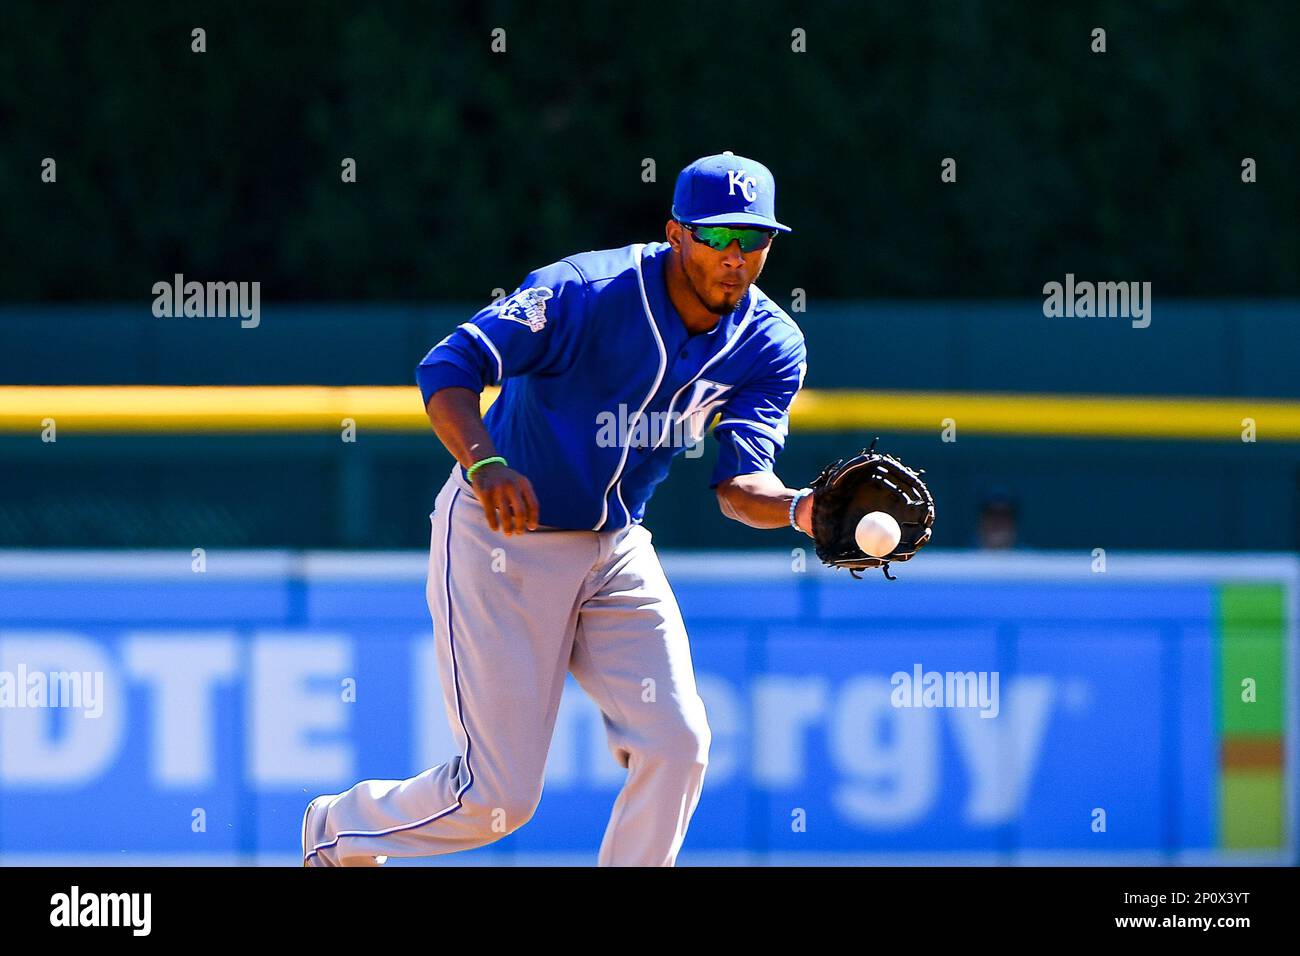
{"x": 845, "y": 491}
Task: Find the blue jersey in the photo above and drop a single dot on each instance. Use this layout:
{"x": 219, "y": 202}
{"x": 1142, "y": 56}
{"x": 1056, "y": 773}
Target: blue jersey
{"x": 602, "y": 384}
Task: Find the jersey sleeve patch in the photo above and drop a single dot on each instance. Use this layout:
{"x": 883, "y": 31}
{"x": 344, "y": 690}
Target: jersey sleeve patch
{"x": 527, "y": 307}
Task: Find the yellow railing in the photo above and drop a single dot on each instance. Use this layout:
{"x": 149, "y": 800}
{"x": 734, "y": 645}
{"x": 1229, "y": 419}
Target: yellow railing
{"x": 308, "y": 408}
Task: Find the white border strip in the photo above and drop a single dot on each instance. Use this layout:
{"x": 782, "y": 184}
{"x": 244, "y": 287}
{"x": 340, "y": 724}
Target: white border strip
{"x": 104, "y": 565}
{"x": 1013, "y": 567}
{"x": 479, "y": 334}
{"x": 759, "y": 427}
{"x": 686, "y": 859}
{"x": 727, "y": 346}
{"x": 933, "y": 565}
{"x": 663, "y": 367}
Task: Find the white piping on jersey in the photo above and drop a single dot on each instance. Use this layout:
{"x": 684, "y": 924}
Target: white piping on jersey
{"x": 663, "y": 367}
{"x": 735, "y": 337}
{"x": 479, "y": 334}
{"x": 759, "y": 426}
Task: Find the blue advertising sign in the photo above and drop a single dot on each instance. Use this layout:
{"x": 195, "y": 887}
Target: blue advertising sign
{"x": 1035, "y": 714}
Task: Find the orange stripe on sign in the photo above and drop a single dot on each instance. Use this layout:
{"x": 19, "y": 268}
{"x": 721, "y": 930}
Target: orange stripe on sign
{"x": 1251, "y": 753}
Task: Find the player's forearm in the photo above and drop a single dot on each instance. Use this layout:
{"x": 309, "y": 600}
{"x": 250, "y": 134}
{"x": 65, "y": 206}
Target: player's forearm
{"x": 762, "y": 500}
{"x": 458, "y": 423}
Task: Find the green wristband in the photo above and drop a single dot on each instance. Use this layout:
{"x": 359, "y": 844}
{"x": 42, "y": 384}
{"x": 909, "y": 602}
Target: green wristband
{"x": 494, "y": 460}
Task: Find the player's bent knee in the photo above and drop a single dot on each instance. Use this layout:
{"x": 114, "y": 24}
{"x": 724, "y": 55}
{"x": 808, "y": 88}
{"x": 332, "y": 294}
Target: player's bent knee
{"x": 501, "y": 814}
{"x": 685, "y": 745}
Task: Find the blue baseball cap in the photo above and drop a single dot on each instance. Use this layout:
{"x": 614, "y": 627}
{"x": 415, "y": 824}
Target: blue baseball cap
{"x": 726, "y": 190}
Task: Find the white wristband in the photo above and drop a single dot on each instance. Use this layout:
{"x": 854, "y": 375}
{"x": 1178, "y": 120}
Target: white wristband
{"x": 794, "y": 503}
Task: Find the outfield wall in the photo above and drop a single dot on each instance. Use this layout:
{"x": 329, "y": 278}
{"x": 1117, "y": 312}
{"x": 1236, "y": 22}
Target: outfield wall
{"x": 1075, "y": 418}
{"x": 225, "y": 707}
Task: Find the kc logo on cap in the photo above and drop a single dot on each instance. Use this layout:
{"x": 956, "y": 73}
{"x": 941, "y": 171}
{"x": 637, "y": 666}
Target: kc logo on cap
{"x": 737, "y": 177}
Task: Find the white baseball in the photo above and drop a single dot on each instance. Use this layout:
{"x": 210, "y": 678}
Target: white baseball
{"x": 877, "y": 534}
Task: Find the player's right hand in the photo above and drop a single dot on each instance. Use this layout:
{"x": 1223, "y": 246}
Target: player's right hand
{"x": 508, "y": 500}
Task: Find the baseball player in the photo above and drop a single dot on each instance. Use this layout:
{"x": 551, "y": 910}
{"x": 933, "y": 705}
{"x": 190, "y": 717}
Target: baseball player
{"x": 610, "y": 363}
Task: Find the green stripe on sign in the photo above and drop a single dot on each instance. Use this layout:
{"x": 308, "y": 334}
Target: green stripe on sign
{"x": 1249, "y": 718}
{"x": 1252, "y": 621}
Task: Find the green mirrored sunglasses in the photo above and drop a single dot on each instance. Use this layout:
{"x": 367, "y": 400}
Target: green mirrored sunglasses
{"x": 720, "y": 237}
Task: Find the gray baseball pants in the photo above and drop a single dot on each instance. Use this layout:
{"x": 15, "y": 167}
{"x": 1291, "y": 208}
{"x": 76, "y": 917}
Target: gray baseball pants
{"x": 511, "y": 616}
